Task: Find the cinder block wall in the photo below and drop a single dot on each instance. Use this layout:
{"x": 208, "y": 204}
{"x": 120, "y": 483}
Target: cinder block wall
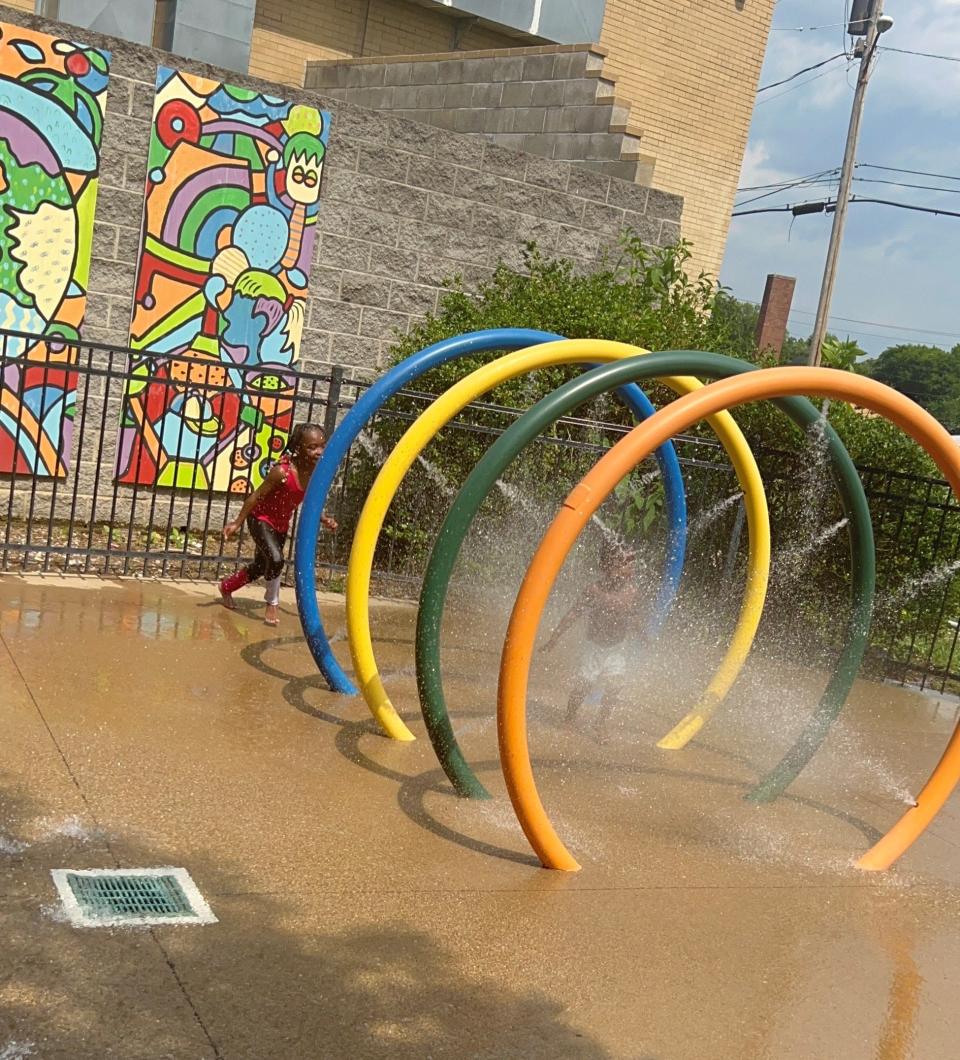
{"x": 404, "y": 206}
{"x": 550, "y": 100}
{"x": 687, "y": 73}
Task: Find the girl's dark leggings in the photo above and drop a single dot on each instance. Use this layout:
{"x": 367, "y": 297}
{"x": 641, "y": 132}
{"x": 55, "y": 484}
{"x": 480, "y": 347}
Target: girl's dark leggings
{"x": 268, "y": 562}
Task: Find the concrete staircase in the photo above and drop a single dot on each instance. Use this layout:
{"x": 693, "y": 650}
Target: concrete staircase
{"x": 551, "y": 100}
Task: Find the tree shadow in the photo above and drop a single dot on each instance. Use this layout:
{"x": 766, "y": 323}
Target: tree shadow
{"x": 337, "y": 976}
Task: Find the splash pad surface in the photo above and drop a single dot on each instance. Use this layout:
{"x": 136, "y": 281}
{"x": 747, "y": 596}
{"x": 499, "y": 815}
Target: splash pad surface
{"x": 353, "y": 888}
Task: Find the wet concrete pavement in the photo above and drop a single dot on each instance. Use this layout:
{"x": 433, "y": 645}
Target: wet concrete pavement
{"x": 364, "y": 911}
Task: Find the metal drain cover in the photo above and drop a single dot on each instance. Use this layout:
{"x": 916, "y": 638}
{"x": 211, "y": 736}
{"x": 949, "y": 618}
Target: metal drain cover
{"x": 130, "y": 897}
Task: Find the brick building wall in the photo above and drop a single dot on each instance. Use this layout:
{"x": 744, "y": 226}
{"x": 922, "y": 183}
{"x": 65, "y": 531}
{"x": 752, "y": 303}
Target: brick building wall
{"x": 288, "y": 33}
{"x": 690, "y": 71}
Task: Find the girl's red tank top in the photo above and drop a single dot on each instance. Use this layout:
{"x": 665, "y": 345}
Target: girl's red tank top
{"x": 277, "y": 508}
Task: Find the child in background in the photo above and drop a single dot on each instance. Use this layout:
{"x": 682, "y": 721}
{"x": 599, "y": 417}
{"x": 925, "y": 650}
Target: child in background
{"x": 267, "y": 512}
{"x": 610, "y": 607}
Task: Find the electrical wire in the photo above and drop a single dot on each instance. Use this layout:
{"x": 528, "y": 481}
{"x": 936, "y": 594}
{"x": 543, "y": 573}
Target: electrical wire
{"x": 902, "y": 184}
{"x": 805, "y": 70}
{"x": 829, "y": 207}
{"x": 805, "y": 29}
{"x": 797, "y": 184}
{"x": 898, "y": 329}
{"x": 788, "y": 180}
{"x": 877, "y": 324}
{"x": 926, "y": 55}
{"x": 800, "y": 84}
{"x": 911, "y": 172}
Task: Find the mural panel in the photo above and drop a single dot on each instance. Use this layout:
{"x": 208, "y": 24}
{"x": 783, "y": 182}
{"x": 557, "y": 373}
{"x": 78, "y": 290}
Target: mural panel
{"x": 233, "y": 188}
{"x": 52, "y": 98}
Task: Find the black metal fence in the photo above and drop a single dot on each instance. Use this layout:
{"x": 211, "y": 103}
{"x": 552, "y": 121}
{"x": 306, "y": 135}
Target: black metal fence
{"x": 79, "y": 516}
{"x": 62, "y": 500}
{"x": 917, "y": 613}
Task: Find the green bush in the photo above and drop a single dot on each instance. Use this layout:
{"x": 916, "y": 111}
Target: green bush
{"x": 643, "y": 295}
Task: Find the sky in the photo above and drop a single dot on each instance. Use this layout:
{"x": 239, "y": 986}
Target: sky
{"x": 899, "y": 271}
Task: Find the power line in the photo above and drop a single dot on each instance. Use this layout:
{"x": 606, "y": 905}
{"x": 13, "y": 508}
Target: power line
{"x": 906, "y": 206}
{"x": 800, "y": 84}
{"x": 805, "y": 29}
{"x": 767, "y": 194}
{"x": 902, "y": 184}
{"x": 877, "y": 324}
{"x": 828, "y": 181}
{"x": 788, "y": 180}
{"x": 815, "y": 178}
{"x": 926, "y": 55}
{"x": 806, "y": 182}
{"x": 829, "y": 207}
{"x": 898, "y": 331}
{"x": 805, "y": 70}
{"x": 889, "y": 338}
{"x": 911, "y": 172}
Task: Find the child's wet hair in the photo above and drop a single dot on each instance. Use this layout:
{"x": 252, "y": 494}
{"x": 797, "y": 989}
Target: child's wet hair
{"x": 296, "y": 435}
{"x": 614, "y": 554}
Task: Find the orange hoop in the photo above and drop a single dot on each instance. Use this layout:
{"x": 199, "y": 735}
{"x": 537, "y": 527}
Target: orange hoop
{"x": 587, "y": 497}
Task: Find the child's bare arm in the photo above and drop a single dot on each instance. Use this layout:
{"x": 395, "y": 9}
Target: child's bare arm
{"x": 273, "y": 480}
{"x": 564, "y": 624}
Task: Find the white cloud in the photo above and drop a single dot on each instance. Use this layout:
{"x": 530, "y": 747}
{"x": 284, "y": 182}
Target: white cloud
{"x": 755, "y": 169}
{"x": 913, "y": 80}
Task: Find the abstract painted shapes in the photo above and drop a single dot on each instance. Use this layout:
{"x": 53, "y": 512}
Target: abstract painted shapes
{"x": 233, "y": 188}
{"x": 52, "y": 101}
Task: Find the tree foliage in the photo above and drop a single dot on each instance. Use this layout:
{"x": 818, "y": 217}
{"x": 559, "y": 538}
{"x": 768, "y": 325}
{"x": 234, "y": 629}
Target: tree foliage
{"x": 643, "y": 295}
{"x": 927, "y": 374}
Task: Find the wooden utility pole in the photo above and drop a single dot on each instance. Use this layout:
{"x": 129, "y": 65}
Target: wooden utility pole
{"x": 870, "y": 12}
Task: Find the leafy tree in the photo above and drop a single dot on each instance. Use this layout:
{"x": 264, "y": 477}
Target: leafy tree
{"x": 928, "y": 374}
{"x": 840, "y": 353}
{"x": 643, "y": 296}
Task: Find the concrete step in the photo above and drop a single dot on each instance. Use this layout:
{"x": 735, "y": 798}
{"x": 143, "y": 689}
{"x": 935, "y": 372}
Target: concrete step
{"x": 554, "y": 101}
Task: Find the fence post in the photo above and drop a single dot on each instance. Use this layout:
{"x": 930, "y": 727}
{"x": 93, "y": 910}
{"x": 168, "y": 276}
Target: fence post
{"x": 734, "y": 547}
{"x": 333, "y": 400}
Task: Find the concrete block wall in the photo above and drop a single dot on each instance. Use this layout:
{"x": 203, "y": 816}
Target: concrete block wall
{"x": 404, "y": 207}
{"x": 551, "y": 100}
{"x": 688, "y": 71}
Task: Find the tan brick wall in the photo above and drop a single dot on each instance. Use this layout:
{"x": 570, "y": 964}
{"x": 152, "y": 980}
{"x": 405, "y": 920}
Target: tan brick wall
{"x": 287, "y": 33}
{"x": 690, "y": 70}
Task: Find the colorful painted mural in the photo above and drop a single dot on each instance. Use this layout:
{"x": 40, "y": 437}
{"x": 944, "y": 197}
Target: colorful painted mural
{"x": 233, "y": 188}
{"x": 52, "y": 99}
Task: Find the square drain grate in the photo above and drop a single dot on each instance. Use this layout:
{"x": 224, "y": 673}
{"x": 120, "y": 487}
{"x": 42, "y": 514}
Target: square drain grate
{"x": 114, "y": 897}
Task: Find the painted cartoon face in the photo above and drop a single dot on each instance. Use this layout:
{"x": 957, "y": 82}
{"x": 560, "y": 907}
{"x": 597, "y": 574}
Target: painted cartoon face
{"x": 303, "y": 179}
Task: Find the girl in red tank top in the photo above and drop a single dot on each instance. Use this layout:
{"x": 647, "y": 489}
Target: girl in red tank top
{"x": 268, "y": 511}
